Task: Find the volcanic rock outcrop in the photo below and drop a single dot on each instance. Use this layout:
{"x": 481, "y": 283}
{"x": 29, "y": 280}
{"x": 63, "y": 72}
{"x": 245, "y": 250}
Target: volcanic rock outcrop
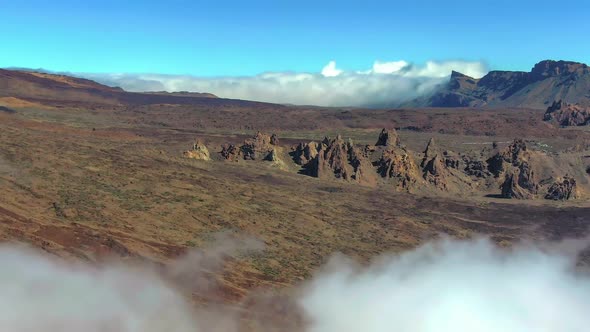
{"x": 388, "y": 138}
{"x": 567, "y": 114}
{"x": 519, "y": 177}
{"x": 434, "y": 166}
{"x": 199, "y": 151}
{"x": 476, "y": 168}
{"x": 398, "y": 164}
{"x": 563, "y": 189}
{"x": 520, "y": 183}
{"x": 513, "y": 155}
{"x": 258, "y": 147}
{"x": 274, "y": 158}
{"x": 262, "y": 147}
{"x": 388, "y": 162}
{"x": 274, "y": 139}
{"x": 335, "y": 158}
{"x": 342, "y": 160}
{"x": 305, "y": 152}
{"x": 230, "y": 152}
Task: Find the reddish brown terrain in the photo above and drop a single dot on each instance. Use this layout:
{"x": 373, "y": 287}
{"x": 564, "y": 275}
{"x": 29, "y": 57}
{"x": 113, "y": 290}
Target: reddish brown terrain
{"x": 88, "y": 171}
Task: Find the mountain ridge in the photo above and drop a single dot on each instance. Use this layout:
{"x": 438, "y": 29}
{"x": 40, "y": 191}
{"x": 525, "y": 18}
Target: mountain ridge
{"x": 43, "y": 86}
{"x": 548, "y": 81}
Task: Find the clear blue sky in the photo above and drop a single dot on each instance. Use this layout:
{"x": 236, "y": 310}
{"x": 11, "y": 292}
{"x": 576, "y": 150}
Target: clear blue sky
{"x": 219, "y": 37}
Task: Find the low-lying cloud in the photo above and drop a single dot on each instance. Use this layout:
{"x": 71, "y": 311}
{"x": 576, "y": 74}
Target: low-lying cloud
{"x": 40, "y": 293}
{"x": 444, "y": 286}
{"x": 384, "y": 84}
{"x": 452, "y": 287}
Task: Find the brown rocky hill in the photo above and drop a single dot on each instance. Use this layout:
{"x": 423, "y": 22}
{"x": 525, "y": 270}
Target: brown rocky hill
{"x": 41, "y": 86}
{"x": 547, "y": 81}
{"x": 45, "y": 87}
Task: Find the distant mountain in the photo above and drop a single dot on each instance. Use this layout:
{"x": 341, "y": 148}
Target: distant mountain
{"x": 547, "y": 82}
{"x": 46, "y": 87}
{"x": 43, "y": 86}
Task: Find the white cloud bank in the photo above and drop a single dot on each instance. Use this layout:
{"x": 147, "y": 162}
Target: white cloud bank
{"x": 441, "y": 287}
{"x": 452, "y": 287}
{"x": 385, "y": 84}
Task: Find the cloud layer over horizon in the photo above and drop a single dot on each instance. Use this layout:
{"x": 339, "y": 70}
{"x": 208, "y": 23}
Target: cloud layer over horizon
{"x": 384, "y": 84}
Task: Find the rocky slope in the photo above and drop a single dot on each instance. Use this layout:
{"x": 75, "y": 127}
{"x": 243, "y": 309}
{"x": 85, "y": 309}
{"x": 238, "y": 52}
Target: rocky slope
{"x": 48, "y": 88}
{"x": 547, "y": 81}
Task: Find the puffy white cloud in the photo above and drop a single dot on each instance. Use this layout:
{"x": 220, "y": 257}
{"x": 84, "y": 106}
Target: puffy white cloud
{"x": 41, "y": 293}
{"x": 443, "y": 69}
{"x": 389, "y": 67}
{"x": 385, "y": 84}
{"x": 451, "y": 287}
{"x": 330, "y": 70}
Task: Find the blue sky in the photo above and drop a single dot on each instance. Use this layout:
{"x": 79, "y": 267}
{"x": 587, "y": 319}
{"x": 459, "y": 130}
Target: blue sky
{"x": 233, "y": 38}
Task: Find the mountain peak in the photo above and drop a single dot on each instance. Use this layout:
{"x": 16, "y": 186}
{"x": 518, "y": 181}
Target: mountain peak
{"x": 551, "y": 68}
{"x": 456, "y": 74}
{"x": 548, "y": 80}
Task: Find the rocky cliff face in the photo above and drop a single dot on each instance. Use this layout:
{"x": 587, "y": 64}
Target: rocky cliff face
{"x": 547, "y": 81}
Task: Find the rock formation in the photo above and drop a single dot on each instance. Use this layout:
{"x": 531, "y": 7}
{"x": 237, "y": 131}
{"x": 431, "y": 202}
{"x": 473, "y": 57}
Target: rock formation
{"x": 389, "y": 162}
{"x": 563, "y": 189}
{"x": 258, "y": 147}
{"x": 261, "y": 147}
{"x": 567, "y": 114}
{"x": 273, "y": 157}
{"x": 388, "y": 138}
{"x": 331, "y": 160}
{"x": 335, "y": 158}
{"x": 363, "y": 171}
{"x": 516, "y": 152}
{"x": 397, "y": 164}
{"x": 305, "y": 152}
{"x": 476, "y": 168}
{"x": 274, "y": 139}
{"x": 434, "y": 166}
{"x": 430, "y": 152}
{"x": 513, "y": 155}
{"x": 230, "y": 152}
{"x": 520, "y": 183}
{"x": 199, "y": 151}
{"x": 452, "y": 160}
{"x": 435, "y": 172}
